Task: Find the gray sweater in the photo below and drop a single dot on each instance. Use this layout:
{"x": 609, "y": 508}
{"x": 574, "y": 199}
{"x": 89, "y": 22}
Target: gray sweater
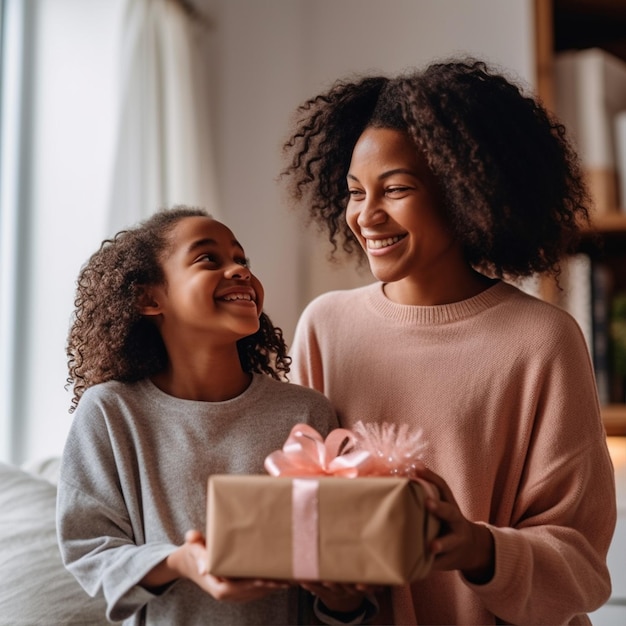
{"x": 133, "y": 481}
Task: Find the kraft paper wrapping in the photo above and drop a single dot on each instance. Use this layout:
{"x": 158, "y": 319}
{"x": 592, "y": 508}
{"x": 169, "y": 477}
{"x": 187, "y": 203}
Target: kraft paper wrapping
{"x": 371, "y": 529}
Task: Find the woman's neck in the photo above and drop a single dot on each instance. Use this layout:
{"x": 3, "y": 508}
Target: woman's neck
{"x": 441, "y": 291}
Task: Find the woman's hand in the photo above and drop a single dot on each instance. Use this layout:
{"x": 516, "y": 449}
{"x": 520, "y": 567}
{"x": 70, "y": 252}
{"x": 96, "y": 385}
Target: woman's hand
{"x": 190, "y": 561}
{"x": 337, "y": 597}
{"x": 461, "y": 544}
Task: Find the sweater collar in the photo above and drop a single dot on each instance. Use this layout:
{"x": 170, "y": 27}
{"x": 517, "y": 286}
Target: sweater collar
{"x": 156, "y": 395}
{"x": 438, "y": 314}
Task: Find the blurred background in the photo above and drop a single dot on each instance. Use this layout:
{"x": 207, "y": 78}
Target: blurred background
{"x": 113, "y": 108}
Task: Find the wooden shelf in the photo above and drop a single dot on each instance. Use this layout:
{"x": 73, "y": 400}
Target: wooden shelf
{"x": 590, "y": 23}
{"x": 610, "y": 222}
{"x": 614, "y": 418}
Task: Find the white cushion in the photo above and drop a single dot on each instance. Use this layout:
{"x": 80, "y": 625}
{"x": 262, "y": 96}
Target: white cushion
{"x": 47, "y": 467}
{"x": 35, "y": 587}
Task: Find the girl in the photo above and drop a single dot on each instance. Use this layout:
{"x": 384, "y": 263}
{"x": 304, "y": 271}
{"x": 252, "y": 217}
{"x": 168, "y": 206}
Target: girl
{"x": 176, "y": 373}
{"x": 451, "y": 180}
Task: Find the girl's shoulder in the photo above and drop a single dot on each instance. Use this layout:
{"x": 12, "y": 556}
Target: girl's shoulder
{"x": 112, "y": 389}
{"x": 284, "y": 390}
{"x": 112, "y": 397}
{"x": 293, "y": 399}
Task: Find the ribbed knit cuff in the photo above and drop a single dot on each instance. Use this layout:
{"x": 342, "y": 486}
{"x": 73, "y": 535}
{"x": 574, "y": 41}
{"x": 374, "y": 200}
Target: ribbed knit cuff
{"x": 362, "y": 615}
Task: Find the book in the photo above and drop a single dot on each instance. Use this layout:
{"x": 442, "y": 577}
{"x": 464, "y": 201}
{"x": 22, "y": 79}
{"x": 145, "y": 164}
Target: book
{"x": 601, "y": 287}
{"x": 620, "y": 155}
{"x": 590, "y": 91}
{"x": 576, "y": 295}
{"x": 586, "y": 291}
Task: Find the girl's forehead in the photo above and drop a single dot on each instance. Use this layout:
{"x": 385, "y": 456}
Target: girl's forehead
{"x": 200, "y": 227}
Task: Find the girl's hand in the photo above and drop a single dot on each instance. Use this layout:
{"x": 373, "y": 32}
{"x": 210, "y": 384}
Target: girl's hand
{"x": 240, "y": 590}
{"x": 461, "y": 544}
{"x": 190, "y": 561}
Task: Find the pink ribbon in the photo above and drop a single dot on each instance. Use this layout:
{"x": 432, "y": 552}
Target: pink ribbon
{"x": 305, "y": 528}
{"x": 306, "y": 453}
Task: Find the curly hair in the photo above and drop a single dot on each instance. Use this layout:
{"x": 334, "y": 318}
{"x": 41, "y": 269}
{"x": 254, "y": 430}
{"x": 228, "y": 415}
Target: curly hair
{"x": 110, "y": 339}
{"x": 512, "y": 185}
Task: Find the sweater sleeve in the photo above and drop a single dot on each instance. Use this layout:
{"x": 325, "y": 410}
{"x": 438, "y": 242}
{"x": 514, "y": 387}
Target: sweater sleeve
{"x": 96, "y": 538}
{"x": 550, "y": 564}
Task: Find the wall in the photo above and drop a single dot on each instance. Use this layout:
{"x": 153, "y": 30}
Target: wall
{"x": 267, "y": 57}
{"x": 274, "y": 54}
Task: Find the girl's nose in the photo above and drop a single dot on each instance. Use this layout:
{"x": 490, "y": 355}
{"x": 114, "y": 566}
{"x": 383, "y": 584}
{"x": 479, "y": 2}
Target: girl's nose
{"x": 238, "y": 271}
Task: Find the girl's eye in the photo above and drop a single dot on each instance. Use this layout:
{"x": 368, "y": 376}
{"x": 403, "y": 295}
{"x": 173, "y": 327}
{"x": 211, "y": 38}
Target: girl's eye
{"x": 355, "y": 193}
{"x": 244, "y": 261}
{"x": 208, "y": 257}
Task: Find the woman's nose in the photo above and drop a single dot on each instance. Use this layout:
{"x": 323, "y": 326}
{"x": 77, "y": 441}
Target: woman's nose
{"x": 236, "y": 270}
{"x": 371, "y": 214}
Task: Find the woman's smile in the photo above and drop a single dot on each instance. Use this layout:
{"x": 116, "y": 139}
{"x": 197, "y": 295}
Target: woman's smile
{"x": 379, "y": 246}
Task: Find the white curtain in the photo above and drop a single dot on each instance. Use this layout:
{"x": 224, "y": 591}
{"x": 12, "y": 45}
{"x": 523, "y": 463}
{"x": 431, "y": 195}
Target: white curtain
{"x": 164, "y": 145}
{"x": 17, "y": 26}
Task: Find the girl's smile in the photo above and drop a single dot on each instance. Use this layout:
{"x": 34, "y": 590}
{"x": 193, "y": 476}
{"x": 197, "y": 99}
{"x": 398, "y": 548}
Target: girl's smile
{"x": 237, "y": 294}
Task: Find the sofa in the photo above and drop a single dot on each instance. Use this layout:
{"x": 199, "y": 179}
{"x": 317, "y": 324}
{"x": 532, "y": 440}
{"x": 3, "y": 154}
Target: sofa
{"x": 35, "y": 588}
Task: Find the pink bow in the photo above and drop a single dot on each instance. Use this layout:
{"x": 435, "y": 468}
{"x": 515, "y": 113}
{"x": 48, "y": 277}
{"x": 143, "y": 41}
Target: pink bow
{"x": 306, "y": 453}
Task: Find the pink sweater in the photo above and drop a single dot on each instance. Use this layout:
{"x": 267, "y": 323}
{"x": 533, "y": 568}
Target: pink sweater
{"x": 503, "y": 388}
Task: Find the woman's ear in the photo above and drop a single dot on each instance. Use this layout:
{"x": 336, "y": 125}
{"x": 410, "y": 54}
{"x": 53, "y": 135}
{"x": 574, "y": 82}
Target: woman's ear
{"x": 148, "y": 301}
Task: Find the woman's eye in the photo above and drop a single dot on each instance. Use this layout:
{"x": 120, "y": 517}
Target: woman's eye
{"x": 396, "y": 190}
{"x": 355, "y": 193}
{"x": 244, "y": 261}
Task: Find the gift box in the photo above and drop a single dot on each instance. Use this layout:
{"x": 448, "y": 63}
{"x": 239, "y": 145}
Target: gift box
{"x": 349, "y": 530}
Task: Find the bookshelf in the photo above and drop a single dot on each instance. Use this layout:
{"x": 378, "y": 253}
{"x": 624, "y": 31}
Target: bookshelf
{"x": 580, "y": 24}
{"x": 614, "y": 417}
